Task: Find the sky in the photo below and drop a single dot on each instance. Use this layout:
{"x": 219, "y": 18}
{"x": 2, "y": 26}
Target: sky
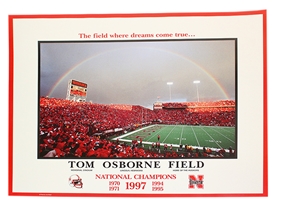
{"x": 137, "y": 72}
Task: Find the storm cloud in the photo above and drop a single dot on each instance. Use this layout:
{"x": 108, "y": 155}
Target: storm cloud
{"x": 137, "y": 72}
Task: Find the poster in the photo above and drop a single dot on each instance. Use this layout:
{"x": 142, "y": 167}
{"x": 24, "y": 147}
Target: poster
{"x": 113, "y": 154}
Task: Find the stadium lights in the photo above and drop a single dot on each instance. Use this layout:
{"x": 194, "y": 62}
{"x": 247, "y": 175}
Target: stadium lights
{"x": 197, "y": 82}
{"x": 169, "y": 84}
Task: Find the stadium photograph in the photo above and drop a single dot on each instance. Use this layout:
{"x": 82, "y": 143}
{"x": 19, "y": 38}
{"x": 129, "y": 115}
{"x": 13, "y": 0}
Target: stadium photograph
{"x": 137, "y": 99}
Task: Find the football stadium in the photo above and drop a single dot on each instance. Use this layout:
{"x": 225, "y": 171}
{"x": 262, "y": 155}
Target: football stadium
{"x": 141, "y": 100}
{"x": 87, "y": 130}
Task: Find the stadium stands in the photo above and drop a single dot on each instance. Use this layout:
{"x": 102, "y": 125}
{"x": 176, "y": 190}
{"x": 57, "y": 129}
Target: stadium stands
{"x": 82, "y": 129}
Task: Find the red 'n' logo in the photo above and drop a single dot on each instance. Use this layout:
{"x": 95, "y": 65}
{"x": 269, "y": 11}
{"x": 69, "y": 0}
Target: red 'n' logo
{"x": 196, "y": 181}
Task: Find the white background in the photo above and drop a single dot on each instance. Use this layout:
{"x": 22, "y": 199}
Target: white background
{"x": 241, "y": 176}
{"x": 92, "y": 7}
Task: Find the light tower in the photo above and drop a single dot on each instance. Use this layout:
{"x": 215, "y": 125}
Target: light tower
{"x": 169, "y": 85}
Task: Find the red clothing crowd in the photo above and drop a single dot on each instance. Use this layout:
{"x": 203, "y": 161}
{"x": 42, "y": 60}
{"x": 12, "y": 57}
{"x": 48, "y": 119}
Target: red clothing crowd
{"x": 75, "y": 129}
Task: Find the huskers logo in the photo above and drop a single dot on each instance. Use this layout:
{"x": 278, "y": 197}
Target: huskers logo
{"x": 75, "y": 181}
{"x": 193, "y": 181}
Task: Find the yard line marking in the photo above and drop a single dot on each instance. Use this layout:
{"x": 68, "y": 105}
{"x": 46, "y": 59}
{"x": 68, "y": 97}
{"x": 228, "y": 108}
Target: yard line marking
{"x": 223, "y": 135}
{"x": 169, "y": 133}
{"x": 130, "y": 133}
{"x": 211, "y": 138}
{"x": 161, "y": 129}
{"x": 174, "y": 145}
{"x": 195, "y": 135}
{"x": 155, "y": 133}
{"x": 226, "y": 129}
{"x": 181, "y": 136}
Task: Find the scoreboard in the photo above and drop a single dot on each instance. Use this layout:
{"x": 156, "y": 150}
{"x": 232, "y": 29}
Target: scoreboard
{"x": 76, "y": 91}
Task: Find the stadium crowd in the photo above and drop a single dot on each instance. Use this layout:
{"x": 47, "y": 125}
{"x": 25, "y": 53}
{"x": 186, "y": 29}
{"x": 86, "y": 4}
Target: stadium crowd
{"x": 81, "y": 129}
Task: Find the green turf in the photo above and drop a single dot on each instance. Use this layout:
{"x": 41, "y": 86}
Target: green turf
{"x": 213, "y": 137}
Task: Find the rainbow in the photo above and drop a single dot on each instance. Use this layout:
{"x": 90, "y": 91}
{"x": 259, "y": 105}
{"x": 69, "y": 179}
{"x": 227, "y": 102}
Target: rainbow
{"x": 220, "y": 87}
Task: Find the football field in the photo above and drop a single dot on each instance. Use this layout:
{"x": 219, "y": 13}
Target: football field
{"x": 214, "y": 137}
